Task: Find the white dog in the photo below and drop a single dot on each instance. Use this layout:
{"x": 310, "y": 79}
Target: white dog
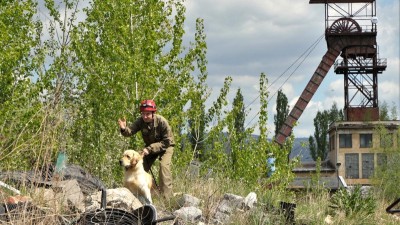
{"x": 138, "y": 181}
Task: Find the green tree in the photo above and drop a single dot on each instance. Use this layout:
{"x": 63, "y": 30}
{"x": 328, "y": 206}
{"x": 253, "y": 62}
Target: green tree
{"x": 250, "y": 157}
{"x": 318, "y": 148}
{"x": 233, "y": 157}
{"x": 236, "y": 128}
{"x": 130, "y": 51}
{"x": 283, "y": 172}
{"x": 198, "y": 94}
{"x": 386, "y": 176}
{"x": 197, "y": 131}
{"x": 384, "y": 111}
{"x": 58, "y": 76}
{"x": 263, "y": 118}
{"x": 20, "y": 113}
{"x": 282, "y": 111}
{"x": 84, "y": 76}
{"x": 319, "y": 143}
{"x": 239, "y": 113}
{"x": 335, "y": 114}
{"x": 393, "y": 112}
{"x": 18, "y": 37}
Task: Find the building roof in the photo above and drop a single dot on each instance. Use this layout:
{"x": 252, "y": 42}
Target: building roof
{"x": 326, "y": 166}
{"x": 332, "y": 183}
{"x": 391, "y": 124}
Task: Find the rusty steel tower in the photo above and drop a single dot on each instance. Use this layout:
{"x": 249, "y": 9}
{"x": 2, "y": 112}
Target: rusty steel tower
{"x": 350, "y": 32}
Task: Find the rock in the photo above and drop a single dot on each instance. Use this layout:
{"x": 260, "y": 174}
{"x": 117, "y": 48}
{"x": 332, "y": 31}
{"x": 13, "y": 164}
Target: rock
{"x": 120, "y": 198}
{"x": 189, "y": 214}
{"x": 63, "y": 194}
{"x": 250, "y": 201}
{"x": 228, "y": 205}
{"x": 69, "y": 194}
{"x": 188, "y": 200}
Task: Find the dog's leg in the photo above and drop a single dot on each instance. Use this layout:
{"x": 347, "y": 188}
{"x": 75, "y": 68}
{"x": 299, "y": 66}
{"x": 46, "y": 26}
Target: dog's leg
{"x": 146, "y": 192}
{"x": 148, "y": 195}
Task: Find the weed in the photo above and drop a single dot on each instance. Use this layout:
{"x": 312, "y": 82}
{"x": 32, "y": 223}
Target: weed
{"x": 353, "y": 201}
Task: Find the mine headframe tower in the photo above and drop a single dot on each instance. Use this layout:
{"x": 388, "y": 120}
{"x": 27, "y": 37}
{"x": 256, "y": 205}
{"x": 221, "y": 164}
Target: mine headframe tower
{"x": 350, "y": 31}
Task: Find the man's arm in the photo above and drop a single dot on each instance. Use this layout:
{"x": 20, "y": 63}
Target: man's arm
{"x": 130, "y": 130}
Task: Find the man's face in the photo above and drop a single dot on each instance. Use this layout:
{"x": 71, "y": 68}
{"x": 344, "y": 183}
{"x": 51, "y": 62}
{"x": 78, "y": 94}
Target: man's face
{"x": 147, "y": 116}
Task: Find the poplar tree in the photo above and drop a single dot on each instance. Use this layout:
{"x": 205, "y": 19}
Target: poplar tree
{"x": 282, "y": 111}
{"x": 239, "y": 112}
{"x": 236, "y": 129}
{"x": 319, "y": 143}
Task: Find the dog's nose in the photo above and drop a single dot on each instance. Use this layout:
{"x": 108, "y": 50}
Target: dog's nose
{"x": 120, "y": 162}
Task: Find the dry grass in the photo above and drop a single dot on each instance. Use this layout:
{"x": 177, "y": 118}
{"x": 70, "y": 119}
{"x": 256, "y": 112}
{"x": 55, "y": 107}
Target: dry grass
{"x": 312, "y": 207}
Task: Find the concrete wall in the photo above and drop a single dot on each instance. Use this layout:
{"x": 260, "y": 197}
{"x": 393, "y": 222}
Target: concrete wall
{"x": 338, "y": 154}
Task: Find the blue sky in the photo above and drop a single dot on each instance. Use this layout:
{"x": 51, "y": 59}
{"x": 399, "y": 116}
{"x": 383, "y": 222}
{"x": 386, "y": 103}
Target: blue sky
{"x": 246, "y": 38}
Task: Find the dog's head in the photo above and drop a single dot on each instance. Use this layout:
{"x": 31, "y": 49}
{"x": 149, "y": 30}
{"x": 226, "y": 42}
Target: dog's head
{"x": 130, "y": 159}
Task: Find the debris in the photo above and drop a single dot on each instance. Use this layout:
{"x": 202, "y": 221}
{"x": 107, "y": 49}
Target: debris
{"x": 10, "y": 188}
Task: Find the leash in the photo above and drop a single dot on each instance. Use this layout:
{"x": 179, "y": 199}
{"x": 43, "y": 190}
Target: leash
{"x": 154, "y": 178}
{"x": 152, "y": 174}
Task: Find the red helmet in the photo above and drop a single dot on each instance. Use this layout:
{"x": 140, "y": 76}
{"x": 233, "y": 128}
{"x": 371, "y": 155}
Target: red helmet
{"x": 148, "y": 105}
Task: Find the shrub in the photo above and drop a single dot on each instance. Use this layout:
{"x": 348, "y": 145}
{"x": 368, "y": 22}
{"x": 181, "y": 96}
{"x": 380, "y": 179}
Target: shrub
{"x": 353, "y": 201}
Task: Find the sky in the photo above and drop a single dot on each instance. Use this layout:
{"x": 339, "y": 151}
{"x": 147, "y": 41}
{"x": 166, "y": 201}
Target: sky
{"x": 284, "y": 39}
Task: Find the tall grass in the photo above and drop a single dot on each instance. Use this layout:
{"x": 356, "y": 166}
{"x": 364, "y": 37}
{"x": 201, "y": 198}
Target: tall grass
{"x": 312, "y": 206}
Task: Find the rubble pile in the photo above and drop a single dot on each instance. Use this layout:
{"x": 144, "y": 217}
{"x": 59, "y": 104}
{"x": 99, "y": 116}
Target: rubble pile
{"x": 67, "y": 199}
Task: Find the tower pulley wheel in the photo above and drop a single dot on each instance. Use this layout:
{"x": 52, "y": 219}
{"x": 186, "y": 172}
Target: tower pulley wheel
{"x": 344, "y": 25}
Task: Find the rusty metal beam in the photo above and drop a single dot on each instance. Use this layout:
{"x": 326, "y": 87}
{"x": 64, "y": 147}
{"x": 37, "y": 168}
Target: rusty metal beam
{"x": 336, "y": 44}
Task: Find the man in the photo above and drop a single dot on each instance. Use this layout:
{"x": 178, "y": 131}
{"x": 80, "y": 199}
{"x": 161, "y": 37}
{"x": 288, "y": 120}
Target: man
{"x": 158, "y": 138}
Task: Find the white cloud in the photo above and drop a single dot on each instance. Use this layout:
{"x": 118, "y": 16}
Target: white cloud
{"x": 246, "y": 38}
{"x": 388, "y": 90}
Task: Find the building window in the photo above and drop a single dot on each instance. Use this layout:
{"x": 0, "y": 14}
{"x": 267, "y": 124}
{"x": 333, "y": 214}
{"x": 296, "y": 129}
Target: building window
{"x": 386, "y": 140}
{"x": 365, "y": 140}
{"x": 345, "y": 141}
{"x": 381, "y": 159}
{"x": 351, "y": 161}
{"x": 367, "y": 165}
